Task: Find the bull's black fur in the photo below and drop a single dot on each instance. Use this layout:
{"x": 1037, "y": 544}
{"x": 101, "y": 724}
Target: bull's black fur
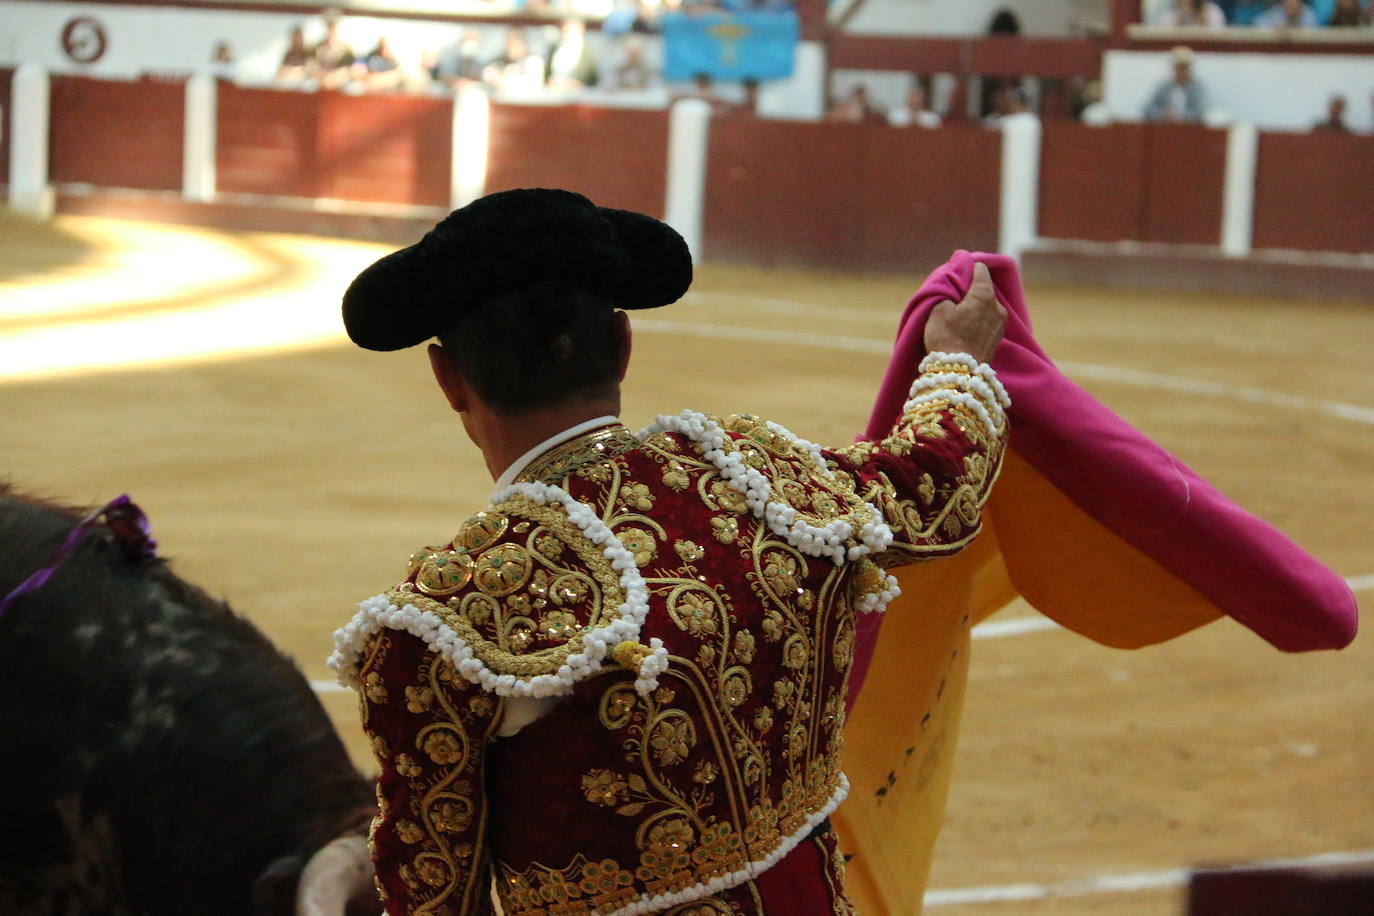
{"x": 158, "y": 755}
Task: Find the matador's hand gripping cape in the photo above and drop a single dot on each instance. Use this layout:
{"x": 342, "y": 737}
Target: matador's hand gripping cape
{"x": 1098, "y": 528}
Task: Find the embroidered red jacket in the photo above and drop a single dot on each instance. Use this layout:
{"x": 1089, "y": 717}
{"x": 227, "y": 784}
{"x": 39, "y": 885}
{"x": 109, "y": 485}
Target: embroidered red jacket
{"x": 675, "y": 611}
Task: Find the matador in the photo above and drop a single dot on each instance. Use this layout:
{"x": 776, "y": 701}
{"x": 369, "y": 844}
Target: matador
{"x": 620, "y": 688}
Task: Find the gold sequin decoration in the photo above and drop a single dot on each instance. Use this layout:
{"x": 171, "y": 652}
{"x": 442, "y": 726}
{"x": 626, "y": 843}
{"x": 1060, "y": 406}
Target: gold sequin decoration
{"x": 442, "y": 573}
{"x": 502, "y": 570}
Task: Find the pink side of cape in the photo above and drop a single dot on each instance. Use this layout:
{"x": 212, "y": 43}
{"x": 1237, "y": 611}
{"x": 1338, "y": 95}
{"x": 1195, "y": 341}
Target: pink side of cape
{"x": 1120, "y": 478}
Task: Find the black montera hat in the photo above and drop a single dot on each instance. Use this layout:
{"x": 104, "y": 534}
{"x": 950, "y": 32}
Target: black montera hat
{"x": 507, "y": 241}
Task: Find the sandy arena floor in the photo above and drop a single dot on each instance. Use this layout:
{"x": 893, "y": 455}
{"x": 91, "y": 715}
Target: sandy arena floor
{"x": 205, "y": 374}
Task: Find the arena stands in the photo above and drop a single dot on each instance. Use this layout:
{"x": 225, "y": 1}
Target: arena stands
{"x": 351, "y": 121}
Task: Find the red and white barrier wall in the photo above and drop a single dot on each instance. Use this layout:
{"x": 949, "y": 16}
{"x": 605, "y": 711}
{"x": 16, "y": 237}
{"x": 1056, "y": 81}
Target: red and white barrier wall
{"x": 842, "y": 196}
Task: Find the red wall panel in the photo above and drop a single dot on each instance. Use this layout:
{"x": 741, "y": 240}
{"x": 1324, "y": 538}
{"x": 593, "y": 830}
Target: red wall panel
{"x": 266, "y": 141}
{"x": 1315, "y": 192}
{"x": 849, "y": 196}
{"x": 926, "y": 193}
{"x": 378, "y": 149}
{"x": 385, "y": 149}
{"x": 1146, "y": 182}
{"x": 617, "y": 157}
{"x": 1183, "y": 183}
{"x": 1092, "y": 182}
{"x": 117, "y": 134}
{"x": 6, "y": 122}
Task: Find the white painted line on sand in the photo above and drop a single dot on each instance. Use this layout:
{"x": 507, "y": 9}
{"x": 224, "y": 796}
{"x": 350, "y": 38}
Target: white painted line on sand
{"x": 1128, "y": 882}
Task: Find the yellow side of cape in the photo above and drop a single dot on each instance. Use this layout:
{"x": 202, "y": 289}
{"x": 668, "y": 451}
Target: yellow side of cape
{"x": 901, "y": 736}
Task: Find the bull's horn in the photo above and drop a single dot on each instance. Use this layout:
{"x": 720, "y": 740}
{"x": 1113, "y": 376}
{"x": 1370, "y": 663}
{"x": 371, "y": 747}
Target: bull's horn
{"x": 341, "y": 869}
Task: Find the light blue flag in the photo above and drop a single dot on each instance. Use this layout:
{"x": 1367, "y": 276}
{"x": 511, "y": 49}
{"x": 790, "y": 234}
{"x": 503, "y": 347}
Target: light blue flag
{"x": 729, "y": 46}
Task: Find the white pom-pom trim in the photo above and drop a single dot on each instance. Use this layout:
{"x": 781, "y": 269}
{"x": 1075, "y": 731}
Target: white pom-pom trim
{"x": 836, "y": 540}
{"x": 378, "y": 612}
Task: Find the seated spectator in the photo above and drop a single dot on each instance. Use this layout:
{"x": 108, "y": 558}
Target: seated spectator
{"x": 1248, "y": 12}
{"x": 572, "y": 64}
{"x": 1289, "y": 14}
{"x": 222, "y": 61}
{"x": 1193, "y": 14}
{"x": 459, "y": 63}
{"x": 1181, "y": 97}
{"x": 1095, "y": 112}
{"x": 855, "y": 108}
{"x": 633, "y": 72}
{"x": 297, "y": 64}
{"x": 379, "y": 70}
{"x": 334, "y": 59}
{"x": 1350, "y": 13}
{"x": 913, "y": 111}
{"x": 1012, "y": 104}
{"x": 517, "y": 70}
{"x": 703, "y": 88}
{"x": 1335, "y": 116}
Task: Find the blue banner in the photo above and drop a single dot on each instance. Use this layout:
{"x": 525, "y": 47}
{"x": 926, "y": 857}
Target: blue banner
{"x": 729, "y": 46}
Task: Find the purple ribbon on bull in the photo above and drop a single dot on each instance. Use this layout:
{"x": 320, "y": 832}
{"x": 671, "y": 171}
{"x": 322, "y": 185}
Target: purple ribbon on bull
{"x": 126, "y": 522}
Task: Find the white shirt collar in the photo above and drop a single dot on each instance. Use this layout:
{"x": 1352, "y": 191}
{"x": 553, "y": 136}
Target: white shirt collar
{"x": 572, "y": 432}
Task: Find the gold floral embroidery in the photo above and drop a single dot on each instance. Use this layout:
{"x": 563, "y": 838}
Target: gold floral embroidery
{"x": 744, "y": 647}
{"x": 640, "y": 543}
{"x": 374, "y": 688}
{"x": 443, "y": 747}
{"x": 419, "y": 699}
{"x": 409, "y": 832}
{"x": 604, "y": 788}
{"x": 406, "y": 766}
{"x": 502, "y": 569}
{"x": 637, "y": 496}
{"x": 672, "y": 740}
{"x": 725, "y": 529}
{"x": 689, "y": 551}
{"x": 675, "y": 478}
{"x": 451, "y": 817}
{"x": 604, "y": 876}
{"x": 694, "y": 612}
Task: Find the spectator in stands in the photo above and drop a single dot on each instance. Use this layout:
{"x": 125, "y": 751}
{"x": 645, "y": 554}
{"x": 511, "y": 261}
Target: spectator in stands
{"x": 854, "y": 108}
{"x": 222, "y": 61}
{"x": 1094, "y": 112}
{"x": 1013, "y": 104}
{"x": 1350, "y": 13}
{"x": 572, "y": 64}
{"x": 1181, "y": 97}
{"x": 1289, "y": 14}
{"x": 334, "y": 59}
{"x": 458, "y": 63}
{"x": 297, "y": 64}
{"x": 633, "y": 72}
{"x": 703, "y": 88}
{"x": 1193, "y": 14}
{"x": 914, "y": 112}
{"x": 1335, "y": 116}
{"x": 379, "y": 70}
{"x": 517, "y": 69}
{"x": 1247, "y": 12}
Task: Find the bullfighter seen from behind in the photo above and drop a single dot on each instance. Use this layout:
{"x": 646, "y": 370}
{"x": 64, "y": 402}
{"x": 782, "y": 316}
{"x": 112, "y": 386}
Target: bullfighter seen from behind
{"x": 620, "y": 688}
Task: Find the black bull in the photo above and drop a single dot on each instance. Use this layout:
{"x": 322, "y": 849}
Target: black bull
{"x": 160, "y": 756}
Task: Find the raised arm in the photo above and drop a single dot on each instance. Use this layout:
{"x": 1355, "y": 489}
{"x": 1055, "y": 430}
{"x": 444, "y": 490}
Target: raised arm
{"x": 931, "y": 474}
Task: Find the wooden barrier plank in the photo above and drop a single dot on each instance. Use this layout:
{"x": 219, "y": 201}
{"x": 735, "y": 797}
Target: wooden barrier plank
{"x": 1092, "y": 182}
{"x": 617, "y": 157}
{"x": 1184, "y": 178}
{"x": 6, "y": 122}
{"x": 385, "y": 149}
{"x": 924, "y": 194}
{"x": 112, "y": 133}
{"x": 849, "y": 196}
{"x": 1315, "y": 192}
{"x": 783, "y": 192}
{"x": 266, "y": 141}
